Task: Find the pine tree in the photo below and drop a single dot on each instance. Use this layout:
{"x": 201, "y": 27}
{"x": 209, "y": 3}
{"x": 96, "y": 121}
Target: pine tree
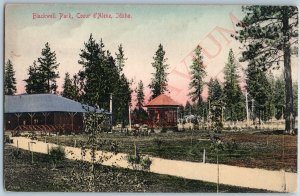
{"x": 121, "y": 100}
{"x": 120, "y": 59}
{"x": 279, "y": 98}
{"x": 159, "y": 81}
{"x": 35, "y": 81}
{"x": 77, "y": 88}
{"x": 233, "y": 97}
{"x": 102, "y": 76}
{"x": 198, "y": 73}
{"x": 139, "y": 113}
{"x": 215, "y": 97}
{"x": 48, "y": 68}
{"x": 270, "y": 36}
{"x": 295, "y": 94}
{"x": 259, "y": 89}
{"x": 140, "y": 94}
{"x": 9, "y": 79}
{"x": 270, "y": 113}
{"x": 68, "y": 91}
{"x": 96, "y": 90}
{"x": 215, "y": 91}
{"x": 188, "y": 108}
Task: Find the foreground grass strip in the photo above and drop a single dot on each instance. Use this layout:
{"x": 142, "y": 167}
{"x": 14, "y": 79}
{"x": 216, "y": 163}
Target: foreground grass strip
{"x": 21, "y": 175}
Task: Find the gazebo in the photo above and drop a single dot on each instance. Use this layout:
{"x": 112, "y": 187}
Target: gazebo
{"x": 163, "y": 112}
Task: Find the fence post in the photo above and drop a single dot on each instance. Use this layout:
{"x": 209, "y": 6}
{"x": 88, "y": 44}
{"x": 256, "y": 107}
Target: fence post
{"x": 283, "y": 181}
{"x": 57, "y": 137}
{"x": 75, "y": 143}
{"x": 31, "y": 155}
{"x": 48, "y": 151}
{"x": 217, "y": 171}
{"x": 29, "y": 146}
{"x": 203, "y": 159}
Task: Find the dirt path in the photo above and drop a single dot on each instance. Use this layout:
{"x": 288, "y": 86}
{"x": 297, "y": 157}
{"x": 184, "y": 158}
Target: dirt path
{"x": 279, "y": 181}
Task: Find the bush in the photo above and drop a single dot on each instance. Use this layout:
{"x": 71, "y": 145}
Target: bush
{"x": 158, "y": 143}
{"x": 57, "y": 154}
{"x": 133, "y": 159}
{"x": 146, "y": 163}
{"x": 8, "y": 140}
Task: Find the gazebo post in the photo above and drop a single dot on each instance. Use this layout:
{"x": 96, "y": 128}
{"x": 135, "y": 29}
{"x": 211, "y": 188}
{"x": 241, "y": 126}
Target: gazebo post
{"x": 31, "y": 116}
{"x": 72, "y": 115}
{"x": 18, "y": 116}
{"x": 45, "y": 114}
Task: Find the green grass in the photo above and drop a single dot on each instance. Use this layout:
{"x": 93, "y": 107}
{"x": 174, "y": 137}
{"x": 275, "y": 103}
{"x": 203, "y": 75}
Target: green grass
{"x": 21, "y": 175}
{"x": 262, "y": 151}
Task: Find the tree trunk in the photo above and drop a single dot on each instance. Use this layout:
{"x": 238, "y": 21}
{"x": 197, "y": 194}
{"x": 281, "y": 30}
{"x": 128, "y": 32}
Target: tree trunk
{"x": 289, "y": 114}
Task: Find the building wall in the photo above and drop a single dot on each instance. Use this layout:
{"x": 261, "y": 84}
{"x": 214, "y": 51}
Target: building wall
{"x": 63, "y": 119}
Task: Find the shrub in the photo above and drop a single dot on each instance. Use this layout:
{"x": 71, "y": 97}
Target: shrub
{"x": 158, "y": 143}
{"x": 7, "y": 139}
{"x": 146, "y": 163}
{"x": 57, "y": 154}
{"x": 137, "y": 161}
{"x": 133, "y": 159}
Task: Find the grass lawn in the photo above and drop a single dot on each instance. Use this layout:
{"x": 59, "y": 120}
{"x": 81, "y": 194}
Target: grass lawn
{"x": 21, "y": 175}
{"x": 268, "y": 151}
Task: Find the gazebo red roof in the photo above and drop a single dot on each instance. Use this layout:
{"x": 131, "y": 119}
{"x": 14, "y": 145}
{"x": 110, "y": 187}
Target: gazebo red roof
{"x": 162, "y": 100}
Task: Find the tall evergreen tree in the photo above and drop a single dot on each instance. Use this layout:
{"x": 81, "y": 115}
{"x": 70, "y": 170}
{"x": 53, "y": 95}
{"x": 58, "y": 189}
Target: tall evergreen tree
{"x": 295, "y": 94}
{"x": 279, "y": 98}
{"x": 9, "y": 79}
{"x": 94, "y": 76}
{"x": 76, "y": 88}
{"x": 259, "y": 89}
{"x": 233, "y": 97}
{"x": 68, "y": 91}
{"x": 121, "y": 101}
{"x": 35, "y": 81}
{"x": 159, "y": 81}
{"x": 102, "y": 77}
{"x": 120, "y": 58}
{"x": 271, "y": 103}
{"x": 140, "y": 97}
{"x": 215, "y": 97}
{"x": 122, "y": 91}
{"x": 139, "y": 113}
{"x": 215, "y": 91}
{"x": 198, "y": 73}
{"x": 48, "y": 68}
{"x": 270, "y": 36}
{"x": 188, "y": 108}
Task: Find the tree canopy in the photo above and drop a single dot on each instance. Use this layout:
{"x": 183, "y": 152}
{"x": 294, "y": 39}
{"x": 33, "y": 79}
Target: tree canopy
{"x": 233, "y": 97}
{"x": 269, "y": 35}
{"x": 159, "y": 81}
{"x": 9, "y": 79}
{"x": 43, "y": 73}
{"x": 198, "y": 73}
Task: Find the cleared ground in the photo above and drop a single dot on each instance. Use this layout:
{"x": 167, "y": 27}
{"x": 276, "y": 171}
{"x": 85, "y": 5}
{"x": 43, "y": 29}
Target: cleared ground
{"x": 247, "y": 149}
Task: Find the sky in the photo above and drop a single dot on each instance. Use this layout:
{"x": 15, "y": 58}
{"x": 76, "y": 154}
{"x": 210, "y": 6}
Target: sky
{"x": 179, "y": 28}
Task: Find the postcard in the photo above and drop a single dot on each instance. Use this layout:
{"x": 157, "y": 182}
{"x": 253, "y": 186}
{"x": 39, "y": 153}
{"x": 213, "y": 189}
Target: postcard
{"x": 150, "y": 98}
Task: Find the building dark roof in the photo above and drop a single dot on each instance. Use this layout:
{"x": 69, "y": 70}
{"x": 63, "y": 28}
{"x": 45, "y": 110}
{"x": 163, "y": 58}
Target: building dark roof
{"x": 162, "y": 100}
{"x": 43, "y": 103}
